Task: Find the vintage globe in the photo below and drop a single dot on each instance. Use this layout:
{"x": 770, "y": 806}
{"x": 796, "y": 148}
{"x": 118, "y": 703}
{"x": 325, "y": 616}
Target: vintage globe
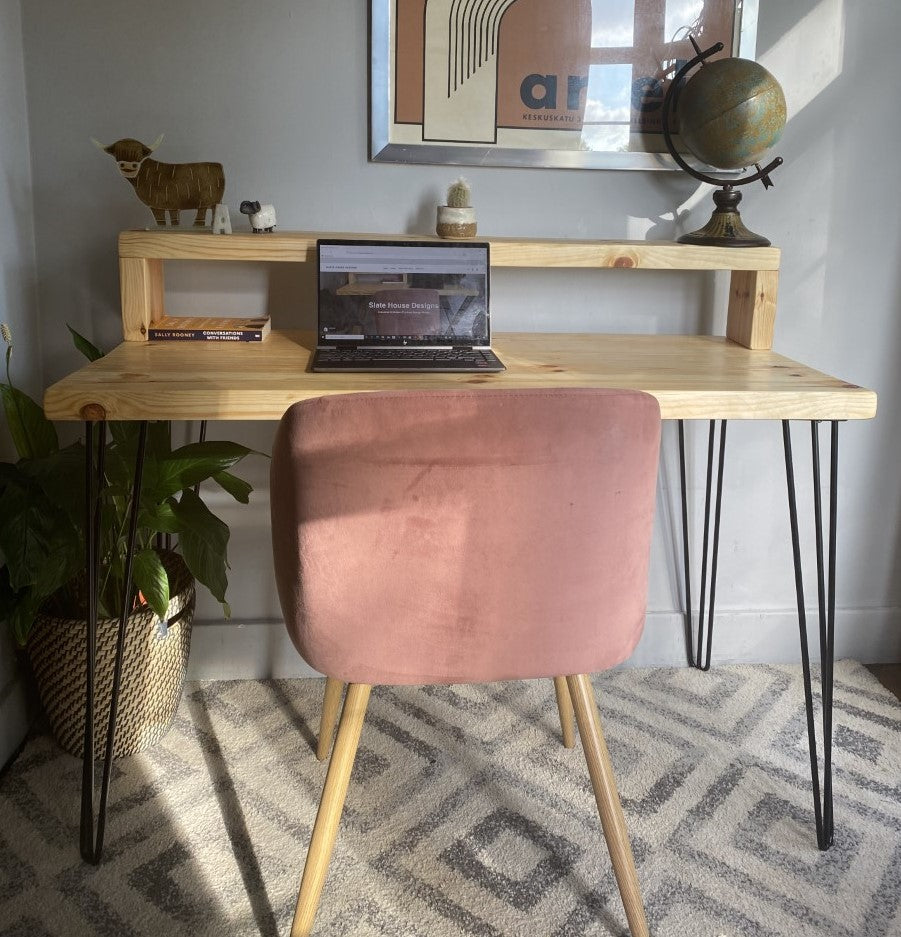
{"x": 731, "y": 112}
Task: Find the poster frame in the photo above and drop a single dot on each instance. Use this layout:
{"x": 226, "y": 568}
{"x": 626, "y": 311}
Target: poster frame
{"x": 386, "y": 147}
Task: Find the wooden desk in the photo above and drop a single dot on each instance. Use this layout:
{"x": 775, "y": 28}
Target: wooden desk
{"x": 693, "y": 377}
{"x": 735, "y": 376}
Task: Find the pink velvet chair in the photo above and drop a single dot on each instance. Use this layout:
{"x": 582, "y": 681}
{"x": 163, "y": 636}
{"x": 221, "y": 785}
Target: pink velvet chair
{"x": 464, "y": 536}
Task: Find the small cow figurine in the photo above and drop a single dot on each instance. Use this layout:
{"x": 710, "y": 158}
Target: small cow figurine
{"x": 167, "y": 187}
{"x": 262, "y": 217}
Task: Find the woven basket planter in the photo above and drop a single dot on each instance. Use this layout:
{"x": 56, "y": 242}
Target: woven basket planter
{"x": 153, "y": 671}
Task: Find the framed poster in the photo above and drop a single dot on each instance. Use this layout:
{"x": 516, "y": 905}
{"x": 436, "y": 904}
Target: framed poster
{"x": 554, "y": 83}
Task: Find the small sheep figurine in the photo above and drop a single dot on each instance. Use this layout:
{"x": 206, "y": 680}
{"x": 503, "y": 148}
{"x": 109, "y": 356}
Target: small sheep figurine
{"x": 262, "y": 217}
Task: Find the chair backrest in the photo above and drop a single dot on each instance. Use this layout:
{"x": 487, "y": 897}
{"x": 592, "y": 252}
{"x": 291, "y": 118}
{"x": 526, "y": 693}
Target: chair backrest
{"x": 464, "y": 536}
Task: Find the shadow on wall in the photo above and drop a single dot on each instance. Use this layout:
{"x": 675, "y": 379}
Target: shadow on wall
{"x": 807, "y": 54}
{"x": 422, "y": 219}
{"x": 681, "y": 192}
{"x": 848, "y": 303}
{"x": 887, "y": 451}
{"x": 18, "y": 296}
{"x": 291, "y": 296}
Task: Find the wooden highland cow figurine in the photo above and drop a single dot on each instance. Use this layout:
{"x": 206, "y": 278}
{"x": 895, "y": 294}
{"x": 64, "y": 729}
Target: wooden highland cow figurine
{"x": 167, "y": 187}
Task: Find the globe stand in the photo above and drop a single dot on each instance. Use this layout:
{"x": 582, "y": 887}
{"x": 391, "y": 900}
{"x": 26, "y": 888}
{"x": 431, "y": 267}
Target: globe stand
{"x": 725, "y": 227}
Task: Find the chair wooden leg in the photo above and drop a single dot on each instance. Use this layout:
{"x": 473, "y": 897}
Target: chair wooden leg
{"x": 565, "y": 708}
{"x": 325, "y": 829}
{"x": 607, "y": 797}
{"x": 331, "y": 705}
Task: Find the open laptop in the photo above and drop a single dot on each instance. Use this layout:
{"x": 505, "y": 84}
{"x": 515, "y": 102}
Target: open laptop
{"x": 403, "y": 306}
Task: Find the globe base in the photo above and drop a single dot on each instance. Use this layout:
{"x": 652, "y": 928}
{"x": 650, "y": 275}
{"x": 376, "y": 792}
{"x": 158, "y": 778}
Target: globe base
{"x": 725, "y": 228}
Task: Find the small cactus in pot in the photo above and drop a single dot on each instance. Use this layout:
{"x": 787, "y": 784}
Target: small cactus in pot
{"x": 459, "y": 194}
{"x": 457, "y": 219}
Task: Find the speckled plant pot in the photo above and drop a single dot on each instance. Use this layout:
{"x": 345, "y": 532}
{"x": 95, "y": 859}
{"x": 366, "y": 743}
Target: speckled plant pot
{"x": 456, "y": 223}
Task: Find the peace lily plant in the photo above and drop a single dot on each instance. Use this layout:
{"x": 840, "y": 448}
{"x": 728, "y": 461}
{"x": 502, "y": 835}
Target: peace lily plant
{"x": 42, "y": 513}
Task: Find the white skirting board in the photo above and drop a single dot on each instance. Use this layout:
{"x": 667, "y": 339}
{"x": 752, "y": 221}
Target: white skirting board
{"x": 262, "y": 649}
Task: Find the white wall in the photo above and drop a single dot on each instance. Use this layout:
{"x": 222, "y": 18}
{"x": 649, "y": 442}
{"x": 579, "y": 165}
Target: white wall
{"x": 18, "y": 307}
{"x": 278, "y": 93}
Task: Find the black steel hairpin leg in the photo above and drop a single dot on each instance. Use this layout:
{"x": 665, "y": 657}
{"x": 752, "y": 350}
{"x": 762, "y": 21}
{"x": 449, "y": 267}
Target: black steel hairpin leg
{"x": 822, "y": 806}
{"x": 92, "y": 515}
{"x": 91, "y": 840}
{"x": 701, "y": 658}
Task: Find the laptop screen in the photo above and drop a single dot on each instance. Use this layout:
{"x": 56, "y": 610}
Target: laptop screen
{"x": 403, "y": 293}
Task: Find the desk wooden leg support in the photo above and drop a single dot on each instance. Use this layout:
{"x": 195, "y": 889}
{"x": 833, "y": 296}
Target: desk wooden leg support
{"x": 91, "y": 839}
{"x": 701, "y": 658}
{"x": 822, "y": 804}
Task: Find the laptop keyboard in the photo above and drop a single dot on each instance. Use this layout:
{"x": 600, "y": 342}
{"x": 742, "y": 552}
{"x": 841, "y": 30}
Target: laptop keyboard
{"x": 432, "y": 359}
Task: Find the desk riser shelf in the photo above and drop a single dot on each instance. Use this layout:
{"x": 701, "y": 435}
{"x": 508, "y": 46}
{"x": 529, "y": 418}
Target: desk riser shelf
{"x": 752, "y": 294}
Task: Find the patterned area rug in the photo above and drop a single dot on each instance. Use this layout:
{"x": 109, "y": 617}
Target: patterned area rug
{"x": 467, "y": 816}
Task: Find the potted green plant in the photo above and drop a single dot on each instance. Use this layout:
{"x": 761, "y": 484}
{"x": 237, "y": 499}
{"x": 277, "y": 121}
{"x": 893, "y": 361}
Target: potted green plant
{"x": 42, "y": 550}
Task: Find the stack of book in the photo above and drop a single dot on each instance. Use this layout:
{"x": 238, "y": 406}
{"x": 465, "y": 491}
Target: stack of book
{"x": 209, "y": 329}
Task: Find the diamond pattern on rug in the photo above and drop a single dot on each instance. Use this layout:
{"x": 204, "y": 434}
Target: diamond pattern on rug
{"x": 518, "y": 860}
{"x": 465, "y": 815}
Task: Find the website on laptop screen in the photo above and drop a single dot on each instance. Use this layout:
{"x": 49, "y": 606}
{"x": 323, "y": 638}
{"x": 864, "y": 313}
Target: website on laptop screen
{"x": 387, "y": 293}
